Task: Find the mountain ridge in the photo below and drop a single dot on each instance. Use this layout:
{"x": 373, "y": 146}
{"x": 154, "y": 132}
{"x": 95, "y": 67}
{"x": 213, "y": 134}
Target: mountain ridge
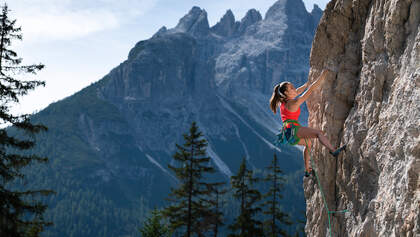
{"x": 115, "y": 138}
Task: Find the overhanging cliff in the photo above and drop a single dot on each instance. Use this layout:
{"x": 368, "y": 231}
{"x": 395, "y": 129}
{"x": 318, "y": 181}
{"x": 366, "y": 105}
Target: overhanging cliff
{"x": 371, "y": 103}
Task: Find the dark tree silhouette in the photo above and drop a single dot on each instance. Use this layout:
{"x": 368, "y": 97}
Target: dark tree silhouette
{"x": 21, "y": 214}
{"x": 246, "y": 223}
{"x": 189, "y": 201}
{"x": 271, "y": 205}
{"x": 153, "y": 227}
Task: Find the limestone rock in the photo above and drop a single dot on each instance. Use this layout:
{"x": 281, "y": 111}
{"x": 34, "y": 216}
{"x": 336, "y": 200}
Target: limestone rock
{"x": 252, "y": 16}
{"x": 371, "y": 103}
{"x": 195, "y": 22}
{"x": 226, "y": 26}
{"x": 160, "y": 32}
{"x": 316, "y": 14}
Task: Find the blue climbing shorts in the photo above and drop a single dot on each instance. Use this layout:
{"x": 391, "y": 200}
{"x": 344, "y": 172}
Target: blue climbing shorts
{"x": 288, "y": 134}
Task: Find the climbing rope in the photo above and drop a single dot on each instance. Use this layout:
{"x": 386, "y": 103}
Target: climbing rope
{"x": 322, "y": 193}
{"x": 282, "y": 140}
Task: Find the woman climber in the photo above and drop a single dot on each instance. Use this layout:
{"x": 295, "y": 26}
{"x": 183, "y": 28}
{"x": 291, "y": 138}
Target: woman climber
{"x": 292, "y": 132}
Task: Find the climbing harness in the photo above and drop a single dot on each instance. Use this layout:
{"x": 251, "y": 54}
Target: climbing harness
{"x": 323, "y": 195}
{"x": 288, "y": 133}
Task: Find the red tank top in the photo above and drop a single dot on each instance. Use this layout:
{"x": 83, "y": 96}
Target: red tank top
{"x": 286, "y": 114}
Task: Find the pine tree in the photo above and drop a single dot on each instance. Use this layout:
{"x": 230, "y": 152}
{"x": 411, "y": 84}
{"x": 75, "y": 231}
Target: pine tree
{"x": 20, "y": 213}
{"x": 215, "y": 204}
{"x": 153, "y": 227}
{"x": 242, "y": 185}
{"x": 272, "y": 205}
{"x": 189, "y": 207}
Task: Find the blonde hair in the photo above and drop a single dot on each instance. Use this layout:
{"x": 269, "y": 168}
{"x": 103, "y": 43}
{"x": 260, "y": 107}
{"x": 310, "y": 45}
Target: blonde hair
{"x": 278, "y": 95}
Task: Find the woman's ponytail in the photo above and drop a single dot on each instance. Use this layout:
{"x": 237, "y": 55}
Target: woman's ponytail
{"x": 278, "y": 96}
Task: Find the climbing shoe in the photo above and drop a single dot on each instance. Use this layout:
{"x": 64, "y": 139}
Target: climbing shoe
{"x": 337, "y": 152}
{"x": 307, "y": 174}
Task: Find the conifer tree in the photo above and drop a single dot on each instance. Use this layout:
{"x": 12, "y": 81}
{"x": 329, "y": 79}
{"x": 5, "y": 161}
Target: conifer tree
{"x": 153, "y": 227}
{"x": 21, "y": 214}
{"x": 188, "y": 206}
{"x": 272, "y": 206}
{"x": 246, "y": 223}
{"x": 215, "y": 204}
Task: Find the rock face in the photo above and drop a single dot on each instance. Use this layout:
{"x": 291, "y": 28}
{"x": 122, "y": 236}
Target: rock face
{"x": 194, "y": 23}
{"x": 372, "y": 104}
{"x": 226, "y": 26}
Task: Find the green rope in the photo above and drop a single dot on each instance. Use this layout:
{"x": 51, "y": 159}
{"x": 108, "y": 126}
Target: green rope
{"x": 322, "y": 193}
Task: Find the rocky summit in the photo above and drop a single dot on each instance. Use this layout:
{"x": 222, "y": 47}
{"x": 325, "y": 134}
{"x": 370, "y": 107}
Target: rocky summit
{"x": 371, "y": 103}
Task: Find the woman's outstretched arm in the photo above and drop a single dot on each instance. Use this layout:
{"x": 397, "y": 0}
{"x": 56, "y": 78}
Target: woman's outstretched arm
{"x": 294, "y": 104}
{"x": 302, "y": 88}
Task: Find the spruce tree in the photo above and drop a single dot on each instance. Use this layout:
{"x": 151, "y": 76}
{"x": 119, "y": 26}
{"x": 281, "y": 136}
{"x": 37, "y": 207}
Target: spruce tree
{"x": 215, "y": 204}
{"x": 188, "y": 208}
{"x": 21, "y": 214}
{"x": 153, "y": 227}
{"x": 272, "y": 206}
{"x": 243, "y": 187}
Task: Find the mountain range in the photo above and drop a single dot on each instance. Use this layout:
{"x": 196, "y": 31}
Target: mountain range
{"x": 109, "y": 144}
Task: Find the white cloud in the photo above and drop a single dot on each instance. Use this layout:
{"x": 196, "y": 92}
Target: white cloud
{"x": 69, "y": 25}
{"x": 71, "y": 19}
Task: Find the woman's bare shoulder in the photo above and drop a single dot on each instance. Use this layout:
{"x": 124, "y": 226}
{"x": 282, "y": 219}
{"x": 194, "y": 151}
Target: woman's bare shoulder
{"x": 292, "y": 105}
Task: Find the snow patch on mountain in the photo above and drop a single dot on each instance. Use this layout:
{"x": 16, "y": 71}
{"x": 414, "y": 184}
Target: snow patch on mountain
{"x": 230, "y": 109}
{"x": 151, "y": 159}
{"x": 219, "y": 162}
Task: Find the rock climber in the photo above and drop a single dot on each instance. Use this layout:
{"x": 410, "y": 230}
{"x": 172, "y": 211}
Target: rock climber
{"x": 292, "y": 132}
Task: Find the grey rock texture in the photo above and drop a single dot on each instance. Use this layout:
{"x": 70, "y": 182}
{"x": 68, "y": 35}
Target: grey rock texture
{"x": 195, "y": 23}
{"x": 251, "y": 17}
{"x": 226, "y": 26}
{"x": 317, "y": 14}
{"x": 371, "y": 103}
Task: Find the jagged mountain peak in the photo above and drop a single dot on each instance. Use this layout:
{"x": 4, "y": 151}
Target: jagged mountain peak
{"x": 160, "y": 32}
{"x": 251, "y": 17}
{"x": 228, "y": 15}
{"x": 316, "y": 14}
{"x": 285, "y": 7}
{"x": 316, "y": 8}
{"x": 226, "y": 25}
{"x": 194, "y": 22}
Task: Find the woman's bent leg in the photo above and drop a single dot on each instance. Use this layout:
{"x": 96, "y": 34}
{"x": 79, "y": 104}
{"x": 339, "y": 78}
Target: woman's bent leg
{"x": 306, "y": 153}
{"x": 305, "y": 132}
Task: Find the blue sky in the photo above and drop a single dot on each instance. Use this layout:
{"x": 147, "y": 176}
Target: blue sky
{"x": 80, "y": 41}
